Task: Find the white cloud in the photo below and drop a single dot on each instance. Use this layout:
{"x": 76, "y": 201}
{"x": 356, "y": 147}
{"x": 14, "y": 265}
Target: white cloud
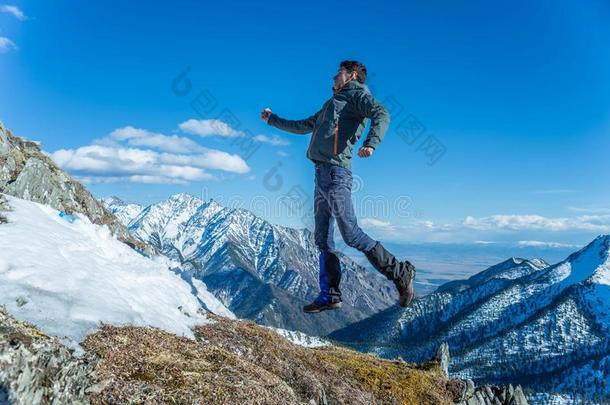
{"x": 537, "y": 243}
{"x": 142, "y": 137}
{"x": 376, "y": 222}
{"x": 282, "y": 153}
{"x": 131, "y": 179}
{"x": 273, "y": 140}
{"x": 137, "y": 155}
{"x": 209, "y": 128}
{"x": 596, "y": 223}
{"x": 108, "y": 164}
{"x": 14, "y": 10}
{"x": 483, "y": 230}
{"x": 210, "y": 159}
{"x": 377, "y": 225}
{"x": 6, "y": 45}
{"x": 427, "y": 224}
{"x": 214, "y": 127}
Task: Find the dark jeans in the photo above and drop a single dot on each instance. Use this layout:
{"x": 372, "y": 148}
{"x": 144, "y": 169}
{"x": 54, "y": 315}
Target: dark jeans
{"x": 333, "y": 202}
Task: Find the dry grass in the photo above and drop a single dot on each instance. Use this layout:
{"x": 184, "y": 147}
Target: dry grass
{"x": 155, "y": 367}
{"x": 238, "y": 362}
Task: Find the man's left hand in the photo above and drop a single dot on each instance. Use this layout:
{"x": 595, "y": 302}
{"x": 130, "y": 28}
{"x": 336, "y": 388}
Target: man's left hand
{"x": 365, "y": 151}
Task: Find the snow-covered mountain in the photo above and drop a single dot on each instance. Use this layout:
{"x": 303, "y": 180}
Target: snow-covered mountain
{"x": 260, "y": 271}
{"x": 124, "y": 211}
{"x": 67, "y": 275}
{"x": 546, "y": 327}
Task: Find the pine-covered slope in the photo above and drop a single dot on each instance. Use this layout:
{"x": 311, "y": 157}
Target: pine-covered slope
{"x": 544, "y": 327}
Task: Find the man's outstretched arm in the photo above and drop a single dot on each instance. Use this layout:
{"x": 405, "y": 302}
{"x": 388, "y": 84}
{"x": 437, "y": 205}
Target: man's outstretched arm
{"x": 295, "y": 126}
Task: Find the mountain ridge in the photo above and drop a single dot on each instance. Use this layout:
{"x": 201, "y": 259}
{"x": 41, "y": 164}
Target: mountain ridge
{"x": 228, "y": 247}
{"x": 508, "y": 329}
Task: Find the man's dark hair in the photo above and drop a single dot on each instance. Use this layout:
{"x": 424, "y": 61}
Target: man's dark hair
{"x": 354, "y": 66}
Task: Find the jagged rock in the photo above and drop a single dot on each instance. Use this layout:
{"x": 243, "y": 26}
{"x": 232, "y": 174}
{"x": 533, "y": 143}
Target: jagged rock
{"x": 443, "y": 357}
{"x": 26, "y": 172}
{"x": 464, "y": 392}
{"x": 4, "y": 203}
{"x": 472, "y": 401}
{"x": 493, "y": 395}
{"x": 3, "y": 207}
{"x": 35, "y": 368}
{"x": 469, "y": 388}
{"x": 518, "y": 397}
{"x": 322, "y": 398}
{"x": 502, "y": 395}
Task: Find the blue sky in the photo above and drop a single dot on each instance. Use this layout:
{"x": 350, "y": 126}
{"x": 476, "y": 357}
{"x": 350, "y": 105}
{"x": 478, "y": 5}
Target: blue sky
{"x": 516, "y": 93}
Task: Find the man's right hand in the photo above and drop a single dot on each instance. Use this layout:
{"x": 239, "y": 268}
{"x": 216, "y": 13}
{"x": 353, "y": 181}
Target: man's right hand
{"x": 265, "y": 114}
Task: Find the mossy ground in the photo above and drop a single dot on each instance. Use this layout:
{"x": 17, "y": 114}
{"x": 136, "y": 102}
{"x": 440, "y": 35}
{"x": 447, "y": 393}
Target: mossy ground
{"x": 238, "y": 362}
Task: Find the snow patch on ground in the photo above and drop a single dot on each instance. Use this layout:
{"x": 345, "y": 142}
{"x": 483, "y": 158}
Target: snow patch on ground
{"x": 66, "y": 278}
{"x": 300, "y": 338}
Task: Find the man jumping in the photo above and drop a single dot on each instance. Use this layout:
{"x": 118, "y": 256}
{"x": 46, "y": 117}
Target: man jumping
{"x": 336, "y": 129}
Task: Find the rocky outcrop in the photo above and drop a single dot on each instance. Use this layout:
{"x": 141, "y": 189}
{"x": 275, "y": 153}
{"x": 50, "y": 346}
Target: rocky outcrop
{"x": 35, "y": 368}
{"x": 492, "y": 394}
{"x": 482, "y": 395}
{"x": 443, "y": 357}
{"x": 26, "y": 172}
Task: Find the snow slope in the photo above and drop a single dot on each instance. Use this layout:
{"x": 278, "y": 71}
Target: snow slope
{"x": 67, "y": 277}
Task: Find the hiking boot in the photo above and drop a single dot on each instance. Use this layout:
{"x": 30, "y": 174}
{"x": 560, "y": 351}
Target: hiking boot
{"x": 330, "y": 277}
{"x": 404, "y": 283}
{"x": 320, "y": 304}
{"x": 402, "y": 273}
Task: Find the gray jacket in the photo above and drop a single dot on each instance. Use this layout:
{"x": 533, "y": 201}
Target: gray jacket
{"x": 338, "y": 125}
